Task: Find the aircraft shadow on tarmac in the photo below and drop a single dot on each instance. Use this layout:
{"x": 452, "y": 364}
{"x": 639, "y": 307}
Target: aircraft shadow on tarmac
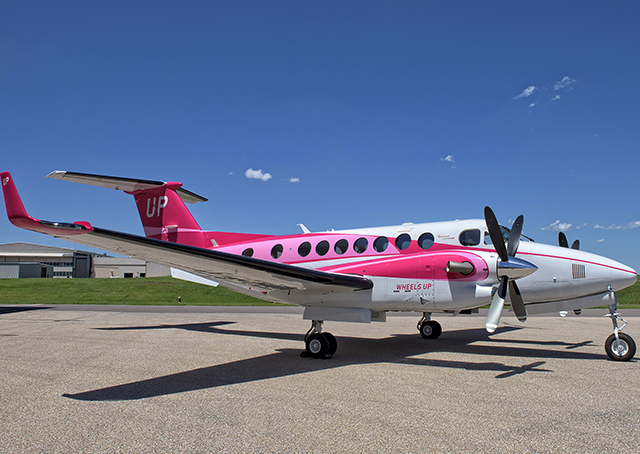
{"x": 12, "y": 310}
{"x": 398, "y": 348}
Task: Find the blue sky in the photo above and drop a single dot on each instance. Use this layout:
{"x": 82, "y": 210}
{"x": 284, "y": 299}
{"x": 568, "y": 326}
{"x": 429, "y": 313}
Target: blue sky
{"x": 363, "y": 113}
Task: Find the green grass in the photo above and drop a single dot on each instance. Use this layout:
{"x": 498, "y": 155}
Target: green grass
{"x": 629, "y": 298}
{"x": 143, "y": 291}
{"x": 157, "y": 291}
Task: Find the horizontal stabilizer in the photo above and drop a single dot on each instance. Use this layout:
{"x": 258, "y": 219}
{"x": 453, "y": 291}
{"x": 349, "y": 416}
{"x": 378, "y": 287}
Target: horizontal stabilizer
{"x": 128, "y": 185}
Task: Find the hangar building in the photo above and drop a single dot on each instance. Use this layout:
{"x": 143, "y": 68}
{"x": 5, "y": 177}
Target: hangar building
{"x": 34, "y": 260}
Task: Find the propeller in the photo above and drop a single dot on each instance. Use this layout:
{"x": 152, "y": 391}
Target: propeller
{"x": 509, "y": 269}
{"x": 562, "y": 241}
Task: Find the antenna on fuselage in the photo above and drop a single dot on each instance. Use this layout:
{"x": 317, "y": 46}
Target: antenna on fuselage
{"x": 304, "y": 229}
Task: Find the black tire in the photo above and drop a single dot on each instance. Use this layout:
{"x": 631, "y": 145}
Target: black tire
{"x": 623, "y": 350}
{"x": 430, "y": 329}
{"x": 333, "y": 343}
{"x": 317, "y": 345}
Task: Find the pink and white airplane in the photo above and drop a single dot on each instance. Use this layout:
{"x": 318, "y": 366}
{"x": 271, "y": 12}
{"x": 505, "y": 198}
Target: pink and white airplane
{"x": 358, "y": 275}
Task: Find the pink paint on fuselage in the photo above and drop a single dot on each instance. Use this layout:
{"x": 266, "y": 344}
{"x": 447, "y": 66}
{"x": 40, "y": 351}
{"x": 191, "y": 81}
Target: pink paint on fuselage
{"x": 412, "y": 262}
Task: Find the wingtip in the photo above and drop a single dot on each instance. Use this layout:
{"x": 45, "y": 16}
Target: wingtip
{"x": 57, "y": 174}
{"x": 12, "y": 201}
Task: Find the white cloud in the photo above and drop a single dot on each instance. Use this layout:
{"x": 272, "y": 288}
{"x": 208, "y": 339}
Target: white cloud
{"x": 257, "y": 175}
{"x": 601, "y": 240}
{"x": 526, "y": 92}
{"x": 532, "y": 104}
{"x": 294, "y": 180}
{"x": 449, "y": 158}
{"x": 630, "y": 225}
{"x": 555, "y": 98}
{"x": 230, "y": 173}
{"x": 564, "y": 83}
{"x": 557, "y": 226}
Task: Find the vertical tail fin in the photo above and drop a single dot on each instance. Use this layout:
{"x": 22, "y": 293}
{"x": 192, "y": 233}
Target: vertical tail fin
{"x": 161, "y": 206}
{"x": 165, "y": 216}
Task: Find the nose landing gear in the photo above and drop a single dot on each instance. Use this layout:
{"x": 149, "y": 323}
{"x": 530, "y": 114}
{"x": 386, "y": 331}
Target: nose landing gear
{"x": 619, "y": 346}
{"x": 319, "y": 344}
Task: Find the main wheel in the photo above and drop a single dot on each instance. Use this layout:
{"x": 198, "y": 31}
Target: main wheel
{"x": 430, "y": 329}
{"x": 317, "y": 345}
{"x": 622, "y": 349}
{"x": 333, "y": 343}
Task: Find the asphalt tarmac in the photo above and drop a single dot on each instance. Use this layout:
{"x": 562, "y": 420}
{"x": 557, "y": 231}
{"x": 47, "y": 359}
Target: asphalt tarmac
{"x": 96, "y": 379}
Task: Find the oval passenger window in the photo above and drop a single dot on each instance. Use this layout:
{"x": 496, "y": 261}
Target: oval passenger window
{"x": 403, "y": 241}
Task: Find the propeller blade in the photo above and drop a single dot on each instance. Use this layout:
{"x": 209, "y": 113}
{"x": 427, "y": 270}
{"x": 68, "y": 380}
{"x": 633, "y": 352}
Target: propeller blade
{"x": 495, "y": 234}
{"x": 576, "y": 245}
{"x": 497, "y": 303}
{"x": 562, "y": 240}
{"x": 514, "y": 236}
{"x": 517, "y": 303}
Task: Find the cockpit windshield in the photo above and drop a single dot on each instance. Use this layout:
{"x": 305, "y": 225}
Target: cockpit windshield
{"x": 505, "y": 234}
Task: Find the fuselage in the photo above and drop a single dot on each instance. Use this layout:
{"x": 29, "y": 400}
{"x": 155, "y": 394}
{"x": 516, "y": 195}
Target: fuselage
{"x": 408, "y": 266}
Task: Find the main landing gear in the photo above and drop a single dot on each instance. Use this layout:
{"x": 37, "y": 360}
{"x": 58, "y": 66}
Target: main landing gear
{"x": 429, "y": 329}
{"x": 619, "y": 346}
{"x": 319, "y": 344}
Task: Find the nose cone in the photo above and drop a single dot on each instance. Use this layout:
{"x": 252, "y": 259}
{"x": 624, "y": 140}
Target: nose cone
{"x": 622, "y": 276}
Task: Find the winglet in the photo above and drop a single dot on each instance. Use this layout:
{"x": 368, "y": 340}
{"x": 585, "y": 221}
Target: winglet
{"x": 12, "y": 201}
{"x": 20, "y": 218}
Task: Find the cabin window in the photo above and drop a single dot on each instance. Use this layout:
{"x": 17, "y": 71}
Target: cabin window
{"x": 470, "y": 237}
{"x": 276, "y": 251}
{"x": 304, "y": 249}
{"x": 426, "y": 240}
{"x": 360, "y": 245}
{"x": 403, "y": 241}
{"x": 322, "y": 247}
{"x": 248, "y": 252}
{"x": 380, "y": 244}
{"x": 341, "y": 246}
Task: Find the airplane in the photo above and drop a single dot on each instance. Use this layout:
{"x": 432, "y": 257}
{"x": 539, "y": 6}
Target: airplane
{"x": 358, "y": 275}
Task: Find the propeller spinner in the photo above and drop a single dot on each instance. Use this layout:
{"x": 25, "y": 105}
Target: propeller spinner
{"x": 509, "y": 267}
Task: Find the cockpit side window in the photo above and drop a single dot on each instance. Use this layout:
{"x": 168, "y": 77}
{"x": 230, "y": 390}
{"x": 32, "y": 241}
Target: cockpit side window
{"x": 470, "y": 237}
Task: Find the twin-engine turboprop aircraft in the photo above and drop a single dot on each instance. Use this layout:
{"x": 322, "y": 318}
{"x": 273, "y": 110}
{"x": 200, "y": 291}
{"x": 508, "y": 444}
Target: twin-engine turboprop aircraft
{"x": 358, "y": 275}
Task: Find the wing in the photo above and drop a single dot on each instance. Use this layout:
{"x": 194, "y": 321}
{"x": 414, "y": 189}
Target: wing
{"x": 230, "y": 270}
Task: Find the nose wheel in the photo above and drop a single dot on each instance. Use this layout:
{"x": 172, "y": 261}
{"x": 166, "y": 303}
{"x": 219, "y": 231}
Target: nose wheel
{"x": 319, "y": 344}
{"x": 619, "y": 346}
{"x": 622, "y": 348}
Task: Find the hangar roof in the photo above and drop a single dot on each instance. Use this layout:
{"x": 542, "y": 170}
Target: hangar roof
{"x": 21, "y": 249}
